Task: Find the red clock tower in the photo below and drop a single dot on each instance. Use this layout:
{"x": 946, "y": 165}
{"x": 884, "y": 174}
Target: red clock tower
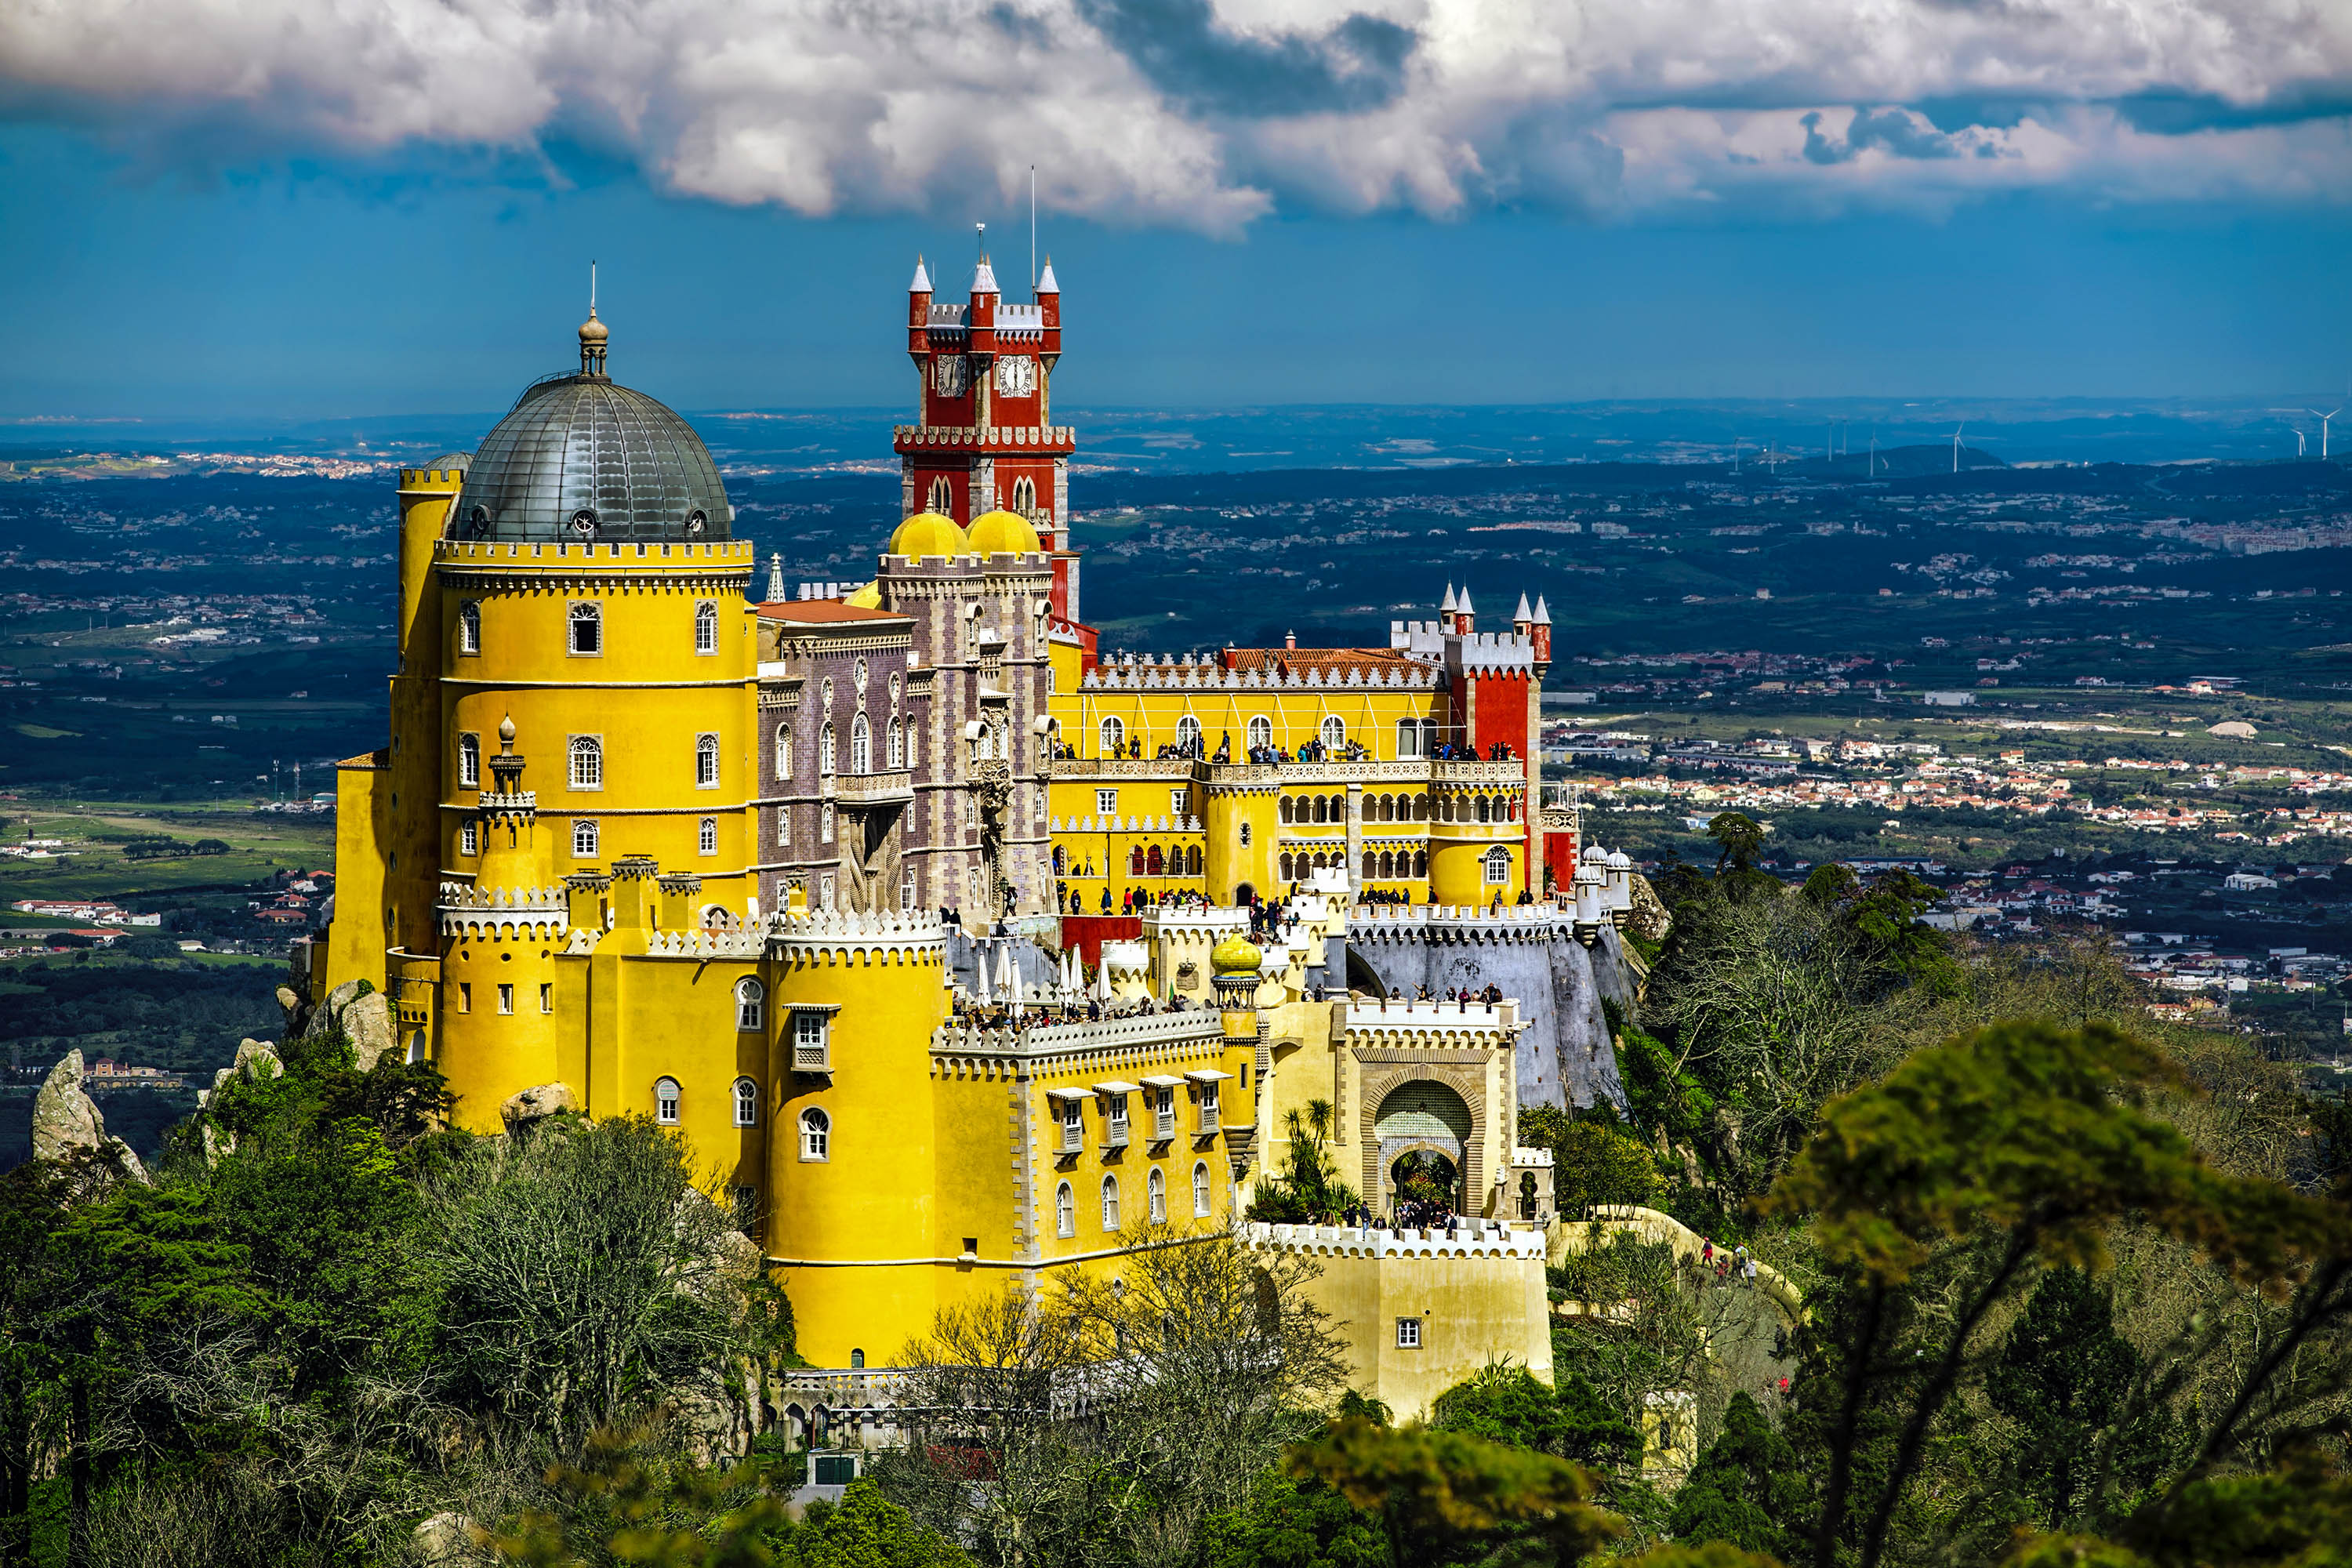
{"x": 986, "y": 441}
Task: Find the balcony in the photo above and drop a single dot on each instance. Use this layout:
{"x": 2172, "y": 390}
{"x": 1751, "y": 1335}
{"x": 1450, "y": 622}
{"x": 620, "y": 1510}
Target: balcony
{"x": 894, "y": 787}
{"x": 1208, "y": 1116}
{"x": 817, "y": 1057}
{"x": 1115, "y": 1132}
{"x": 1074, "y": 1136}
{"x": 1163, "y": 1125}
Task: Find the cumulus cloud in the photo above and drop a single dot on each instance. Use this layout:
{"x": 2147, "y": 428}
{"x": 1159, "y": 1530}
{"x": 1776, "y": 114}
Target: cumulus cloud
{"x": 1209, "y": 114}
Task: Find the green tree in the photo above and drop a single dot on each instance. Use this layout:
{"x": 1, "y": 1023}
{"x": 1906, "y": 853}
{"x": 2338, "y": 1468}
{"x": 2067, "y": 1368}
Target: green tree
{"x": 1442, "y": 1495}
{"x": 1748, "y": 1489}
{"x": 1505, "y": 1404}
{"x": 1289, "y": 1522}
{"x": 1595, "y": 1160}
{"x": 1308, "y": 1190}
{"x": 866, "y": 1529}
{"x": 2064, "y": 1376}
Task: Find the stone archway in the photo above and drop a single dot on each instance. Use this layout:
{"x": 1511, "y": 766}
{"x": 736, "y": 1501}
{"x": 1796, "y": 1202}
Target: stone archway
{"x": 1421, "y": 1116}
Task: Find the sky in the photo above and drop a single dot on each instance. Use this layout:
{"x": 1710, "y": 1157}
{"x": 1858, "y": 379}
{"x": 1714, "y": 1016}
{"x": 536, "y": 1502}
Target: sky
{"x": 270, "y": 209}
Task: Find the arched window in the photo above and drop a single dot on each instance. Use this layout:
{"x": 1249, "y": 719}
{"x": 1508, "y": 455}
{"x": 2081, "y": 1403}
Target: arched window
{"x": 783, "y": 751}
{"x": 587, "y": 628}
{"x": 1188, "y": 733}
{"x": 1484, "y": 809}
{"x": 1025, "y": 497}
{"x": 907, "y": 890}
{"x": 1420, "y": 808}
{"x": 1371, "y": 865}
{"x": 897, "y": 745}
{"x": 469, "y": 762}
{"x": 1154, "y": 864}
{"x": 469, "y": 627}
{"x": 706, "y": 627}
{"x": 1114, "y": 737}
{"x": 1288, "y": 812}
{"x": 825, "y": 750}
{"x": 1322, "y": 809}
{"x": 1193, "y": 861}
{"x": 1282, "y": 865}
{"x": 583, "y": 838}
{"x": 705, "y": 835}
{"x": 824, "y": 823}
{"x": 1200, "y": 1190}
{"x": 587, "y": 762}
{"x": 861, "y": 746}
{"x": 1388, "y": 866}
{"x": 1421, "y": 864}
{"x": 706, "y": 762}
{"x": 1065, "y": 1211}
{"x": 1261, "y": 731}
{"x": 747, "y": 1103}
{"x": 750, "y": 1003}
{"x": 1157, "y": 1188}
{"x": 1335, "y": 730}
{"x": 1498, "y": 867}
{"x": 1110, "y": 1203}
{"x": 816, "y": 1134}
{"x": 1408, "y": 737}
{"x": 1061, "y": 861}
{"x": 942, "y": 498}
{"x": 666, "y": 1098}
{"x": 1135, "y": 860}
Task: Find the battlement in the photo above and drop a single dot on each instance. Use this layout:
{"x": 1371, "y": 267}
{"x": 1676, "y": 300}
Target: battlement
{"x": 1421, "y": 923}
{"x": 1042, "y": 437}
{"x": 1474, "y": 1239}
{"x": 432, "y": 479}
{"x": 1128, "y": 674}
{"x": 912, "y": 936}
{"x": 637, "y": 553}
{"x": 1125, "y": 825}
{"x": 1079, "y": 1037}
{"x": 703, "y": 945}
{"x": 491, "y": 912}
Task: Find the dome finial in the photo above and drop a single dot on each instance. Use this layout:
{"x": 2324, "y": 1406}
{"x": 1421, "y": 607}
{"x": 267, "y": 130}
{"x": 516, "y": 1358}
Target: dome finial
{"x": 592, "y": 334}
{"x": 507, "y": 733}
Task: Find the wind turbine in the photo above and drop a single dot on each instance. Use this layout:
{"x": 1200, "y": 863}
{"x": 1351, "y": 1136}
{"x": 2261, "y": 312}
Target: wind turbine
{"x": 2322, "y": 419}
{"x": 1873, "y": 452}
{"x": 1956, "y": 444}
{"x": 1737, "y": 442}
{"x": 2299, "y": 448}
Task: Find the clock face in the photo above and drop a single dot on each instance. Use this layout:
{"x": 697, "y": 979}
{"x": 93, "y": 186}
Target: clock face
{"x": 947, "y": 376}
{"x": 1016, "y": 376}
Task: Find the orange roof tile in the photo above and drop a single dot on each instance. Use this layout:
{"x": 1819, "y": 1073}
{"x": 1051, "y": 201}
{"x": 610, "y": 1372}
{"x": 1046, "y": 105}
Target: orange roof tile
{"x": 819, "y": 612}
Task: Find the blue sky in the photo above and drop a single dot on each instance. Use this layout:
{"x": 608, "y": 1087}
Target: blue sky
{"x": 1246, "y": 202}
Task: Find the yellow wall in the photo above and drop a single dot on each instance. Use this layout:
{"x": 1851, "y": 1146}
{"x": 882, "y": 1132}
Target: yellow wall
{"x": 358, "y": 937}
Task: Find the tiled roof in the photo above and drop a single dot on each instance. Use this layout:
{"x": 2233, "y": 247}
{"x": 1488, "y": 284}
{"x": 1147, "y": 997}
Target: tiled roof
{"x": 817, "y": 612}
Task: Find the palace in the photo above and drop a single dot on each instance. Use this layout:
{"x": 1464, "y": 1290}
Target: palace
{"x": 871, "y": 890}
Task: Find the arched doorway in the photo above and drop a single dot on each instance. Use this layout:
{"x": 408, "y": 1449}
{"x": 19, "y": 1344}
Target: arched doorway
{"x": 1425, "y": 1184}
{"x": 1242, "y": 894}
{"x": 1417, "y": 1119}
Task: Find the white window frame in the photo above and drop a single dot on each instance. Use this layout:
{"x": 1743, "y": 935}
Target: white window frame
{"x": 897, "y": 744}
{"x": 1112, "y": 736}
{"x": 1155, "y": 1188}
{"x": 587, "y": 748}
{"x": 706, "y": 627}
{"x": 783, "y": 751}
{"x": 1106, "y": 802}
{"x": 1065, "y": 1211}
{"x": 1333, "y": 732}
{"x": 1408, "y": 1333}
{"x": 824, "y": 750}
{"x": 668, "y": 1102}
{"x": 907, "y": 890}
{"x": 750, "y": 1006}
{"x": 586, "y": 839}
{"x": 747, "y": 1103}
{"x": 1188, "y": 730}
{"x": 1178, "y": 804}
{"x": 1496, "y": 865}
{"x": 469, "y": 626}
{"x": 706, "y": 836}
{"x": 825, "y": 892}
{"x": 1408, "y": 738}
{"x": 706, "y": 762}
{"x": 470, "y": 838}
{"x": 577, "y": 613}
{"x": 1261, "y": 731}
{"x": 816, "y": 1136}
{"x": 469, "y": 760}
{"x": 861, "y": 744}
{"x": 1110, "y": 1204}
{"x": 1201, "y": 1189}
{"x": 824, "y": 823}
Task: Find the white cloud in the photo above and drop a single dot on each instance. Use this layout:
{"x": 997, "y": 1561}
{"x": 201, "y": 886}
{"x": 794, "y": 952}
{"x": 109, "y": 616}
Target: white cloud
{"x": 1207, "y": 113}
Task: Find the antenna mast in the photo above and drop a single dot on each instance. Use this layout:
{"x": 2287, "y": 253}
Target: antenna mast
{"x": 1033, "y": 231}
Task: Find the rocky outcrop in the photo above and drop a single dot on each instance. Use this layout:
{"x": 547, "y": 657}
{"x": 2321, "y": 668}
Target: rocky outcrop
{"x": 67, "y": 1124}
{"x": 536, "y": 1104}
{"x": 368, "y": 1024}
{"x": 447, "y": 1541}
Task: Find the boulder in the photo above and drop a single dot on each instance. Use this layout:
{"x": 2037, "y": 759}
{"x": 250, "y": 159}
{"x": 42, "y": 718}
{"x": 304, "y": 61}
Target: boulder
{"x": 368, "y": 1024}
{"x": 255, "y": 1060}
{"x": 295, "y": 1008}
{"x": 67, "y": 1124}
{"x": 448, "y": 1539}
{"x": 536, "y": 1103}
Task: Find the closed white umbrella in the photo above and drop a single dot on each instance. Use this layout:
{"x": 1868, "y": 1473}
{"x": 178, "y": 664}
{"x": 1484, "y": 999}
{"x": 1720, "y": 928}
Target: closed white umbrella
{"x": 1004, "y": 970}
{"x": 980, "y": 978}
{"x": 1013, "y": 991}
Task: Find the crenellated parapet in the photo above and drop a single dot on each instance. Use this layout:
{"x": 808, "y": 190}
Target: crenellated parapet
{"x": 1168, "y": 673}
{"x": 828, "y": 936}
{"x": 704, "y": 945}
{"x": 468, "y": 910}
{"x": 1396, "y": 925}
{"x": 1474, "y": 1239}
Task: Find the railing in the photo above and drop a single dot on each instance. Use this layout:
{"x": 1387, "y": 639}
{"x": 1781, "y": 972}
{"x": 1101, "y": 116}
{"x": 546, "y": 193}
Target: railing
{"x": 1471, "y": 1237}
{"x": 1163, "y": 1124}
{"x": 1074, "y": 1136}
{"x": 874, "y": 789}
{"x": 1208, "y": 1114}
{"x": 1115, "y": 1132}
{"x": 1512, "y": 772}
{"x": 1123, "y": 767}
{"x": 817, "y": 1057}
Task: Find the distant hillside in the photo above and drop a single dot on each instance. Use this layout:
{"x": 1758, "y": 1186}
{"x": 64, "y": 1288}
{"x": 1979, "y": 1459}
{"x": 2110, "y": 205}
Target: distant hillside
{"x": 1894, "y": 463}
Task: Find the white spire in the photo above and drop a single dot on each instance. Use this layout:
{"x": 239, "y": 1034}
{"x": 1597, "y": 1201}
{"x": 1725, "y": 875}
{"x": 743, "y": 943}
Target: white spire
{"x": 1461, "y": 604}
{"x": 1522, "y": 615}
{"x": 1045, "y": 283}
{"x": 922, "y": 283}
{"x": 1542, "y": 615}
{"x": 1447, "y": 608}
{"x": 983, "y": 278}
{"x": 776, "y": 594}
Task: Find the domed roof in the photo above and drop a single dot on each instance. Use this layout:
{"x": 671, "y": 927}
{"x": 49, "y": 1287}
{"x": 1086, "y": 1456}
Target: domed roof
{"x": 928, "y": 533}
{"x": 581, "y": 459}
{"x": 1235, "y": 955}
{"x": 868, "y": 597}
{"x": 1003, "y": 533}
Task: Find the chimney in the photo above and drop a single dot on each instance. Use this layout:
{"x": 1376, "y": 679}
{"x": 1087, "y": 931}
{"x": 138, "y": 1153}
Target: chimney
{"x": 1291, "y": 640}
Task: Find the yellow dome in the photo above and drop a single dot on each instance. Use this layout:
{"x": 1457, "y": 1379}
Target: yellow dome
{"x": 868, "y": 597}
{"x": 1003, "y": 533}
{"x": 928, "y": 533}
{"x": 1236, "y": 955}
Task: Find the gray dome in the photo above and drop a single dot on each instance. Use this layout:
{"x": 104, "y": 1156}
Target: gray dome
{"x": 581, "y": 459}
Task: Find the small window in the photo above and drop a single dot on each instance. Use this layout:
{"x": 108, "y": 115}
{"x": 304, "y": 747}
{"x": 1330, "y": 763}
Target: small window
{"x": 1335, "y": 730}
{"x": 666, "y": 1098}
{"x": 469, "y": 762}
{"x": 1188, "y": 733}
{"x": 907, "y": 890}
{"x": 1408, "y": 1333}
{"x": 1408, "y": 737}
{"x": 706, "y": 836}
{"x": 1177, "y": 801}
{"x": 809, "y": 1030}
{"x": 784, "y": 825}
{"x": 897, "y": 745}
{"x": 505, "y": 998}
{"x": 587, "y": 752}
{"x": 546, "y": 998}
{"x": 1200, "y": 1190}
{"x": 1114, "y": 737}
{"x": 1499, "y": 867}
{"x": 824, "y": 823}
{"x": 825, "y": 883}
{"x": 816, "y": 1134}
{"x": 751, "y": 998}
{"x": 469, "y": 627}
{"x": 706, "y": 628}
{"x": 861, "y": 746}
{"x": 469, "y": 839}
{"x": 1065, "y": 1211}
{"x": 1261, "y": 731}
{"x": 747, "y": 1103}
{"x": 706, "y": 762}
{"x": 1157, "y": 1186}
{"x": 1245, "y": 834}
{"x": 1110, "y": 1203}
{"x": 583, "y": 838}
{"x": 587, "y": 630}
{"x": 465, "y": 996}
{"x": 1106, "y": 802}
{"x": 825, "y": 750}
{"x": 783, "y": 751}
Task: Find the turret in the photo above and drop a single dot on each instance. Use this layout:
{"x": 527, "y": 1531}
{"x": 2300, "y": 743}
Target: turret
{"x": 1445, "y": 610}
{"x": 918, "y": 312}
{"x": 1049, "y": 304}
{"x": 1464, "y": 620}
{"x": 1539, "y": 630}
{"x": 1522, "y": 618}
